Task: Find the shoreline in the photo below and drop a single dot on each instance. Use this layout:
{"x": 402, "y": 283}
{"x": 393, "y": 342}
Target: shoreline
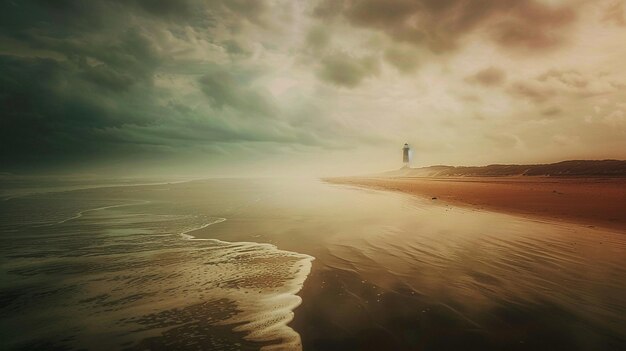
{"x": 592, "y": 202}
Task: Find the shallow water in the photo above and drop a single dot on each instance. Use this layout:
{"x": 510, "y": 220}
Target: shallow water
{"x": 125, "y": 267}
{"x": 102, "y": 269}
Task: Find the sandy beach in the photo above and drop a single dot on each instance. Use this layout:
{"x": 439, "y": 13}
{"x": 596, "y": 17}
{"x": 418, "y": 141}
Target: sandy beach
{"x": 587, "y": 201}
{"x": 233, "y": 264}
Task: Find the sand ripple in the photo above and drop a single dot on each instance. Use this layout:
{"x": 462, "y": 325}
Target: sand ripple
{"x": 478, "y": 261}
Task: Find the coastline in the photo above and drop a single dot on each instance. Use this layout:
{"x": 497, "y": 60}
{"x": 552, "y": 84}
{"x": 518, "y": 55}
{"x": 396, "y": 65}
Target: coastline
{"x": 386, "y": 275}
{"x": 593, "y": 202}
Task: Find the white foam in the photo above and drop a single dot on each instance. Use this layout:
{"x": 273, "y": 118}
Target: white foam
{"x": 264, "y": 318}
{"x": 135, "y": 275}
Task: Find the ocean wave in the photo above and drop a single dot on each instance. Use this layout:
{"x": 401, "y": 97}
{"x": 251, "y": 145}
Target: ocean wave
{"x": 127, "y": 275}
{"x": 265, "y": 317}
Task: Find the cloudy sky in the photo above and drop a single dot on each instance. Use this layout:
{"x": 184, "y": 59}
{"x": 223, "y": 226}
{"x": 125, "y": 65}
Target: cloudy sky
{"x": 261, "y": 87}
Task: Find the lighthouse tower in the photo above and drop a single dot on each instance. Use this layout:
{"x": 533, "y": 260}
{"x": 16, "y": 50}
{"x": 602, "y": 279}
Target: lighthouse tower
{"x": 406, "y": 157}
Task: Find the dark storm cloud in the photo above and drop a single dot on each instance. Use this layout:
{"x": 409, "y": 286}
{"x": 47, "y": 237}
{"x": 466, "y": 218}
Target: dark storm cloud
{"x": 52, "y": 105}
{"x": 440, "y": 25}
{"x": 80, "y": 82}
{"x": 60, "y": 16}
{"x": 347, "y": 71}
{"x": 174, "y": 9}
{"x": 53, "y": 115}
{"x": 235, "y": 48}
{"x": 336, "y": 65}
{"x": 224, "y": 90}
{"x": 51, "y": 108}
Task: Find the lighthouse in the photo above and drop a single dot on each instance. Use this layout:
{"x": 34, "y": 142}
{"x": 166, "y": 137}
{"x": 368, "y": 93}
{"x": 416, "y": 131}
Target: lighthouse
{"x": 406, "y": 158}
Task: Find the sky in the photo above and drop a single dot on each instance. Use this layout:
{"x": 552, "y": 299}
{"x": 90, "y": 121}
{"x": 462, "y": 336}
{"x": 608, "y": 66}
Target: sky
{"x": 292, "y": 87}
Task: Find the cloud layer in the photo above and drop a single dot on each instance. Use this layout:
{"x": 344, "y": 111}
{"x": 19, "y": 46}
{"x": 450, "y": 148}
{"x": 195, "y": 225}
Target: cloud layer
{"x": 330, "y": 86}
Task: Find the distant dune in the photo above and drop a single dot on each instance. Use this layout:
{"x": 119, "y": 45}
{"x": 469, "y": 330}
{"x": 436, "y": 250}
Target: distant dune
{"x": 574, "y": 168}
{"x": 585, "y": 192}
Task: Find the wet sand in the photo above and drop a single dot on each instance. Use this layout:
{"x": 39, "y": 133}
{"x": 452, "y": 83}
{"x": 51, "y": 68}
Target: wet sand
{"x": 445, "y": 277}
{"x": 215, "y": 264}
{"x": 587, "y": 201}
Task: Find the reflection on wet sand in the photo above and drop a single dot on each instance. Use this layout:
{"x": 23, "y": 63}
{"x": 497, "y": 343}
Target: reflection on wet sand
{"x": 481, "y": 281}
{"x": 391, "y": 272}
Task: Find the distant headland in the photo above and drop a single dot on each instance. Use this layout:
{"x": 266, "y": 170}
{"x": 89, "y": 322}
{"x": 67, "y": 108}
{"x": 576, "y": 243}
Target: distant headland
{"x": 571, "y": 168}
{"x": 587, "y": 192}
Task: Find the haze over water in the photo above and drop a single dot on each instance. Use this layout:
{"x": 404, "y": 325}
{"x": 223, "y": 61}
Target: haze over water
{"x": 122, "y": 267}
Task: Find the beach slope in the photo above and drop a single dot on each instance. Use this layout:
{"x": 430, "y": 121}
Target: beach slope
{"x": 588, "y": 201}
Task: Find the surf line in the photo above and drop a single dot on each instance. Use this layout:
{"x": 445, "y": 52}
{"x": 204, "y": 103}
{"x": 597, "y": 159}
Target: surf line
{"x": 81, "y": 213}
{"x": 188, "y": 236}
{"x": 185, "y": 235}
{"x": 277, "y": 309}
